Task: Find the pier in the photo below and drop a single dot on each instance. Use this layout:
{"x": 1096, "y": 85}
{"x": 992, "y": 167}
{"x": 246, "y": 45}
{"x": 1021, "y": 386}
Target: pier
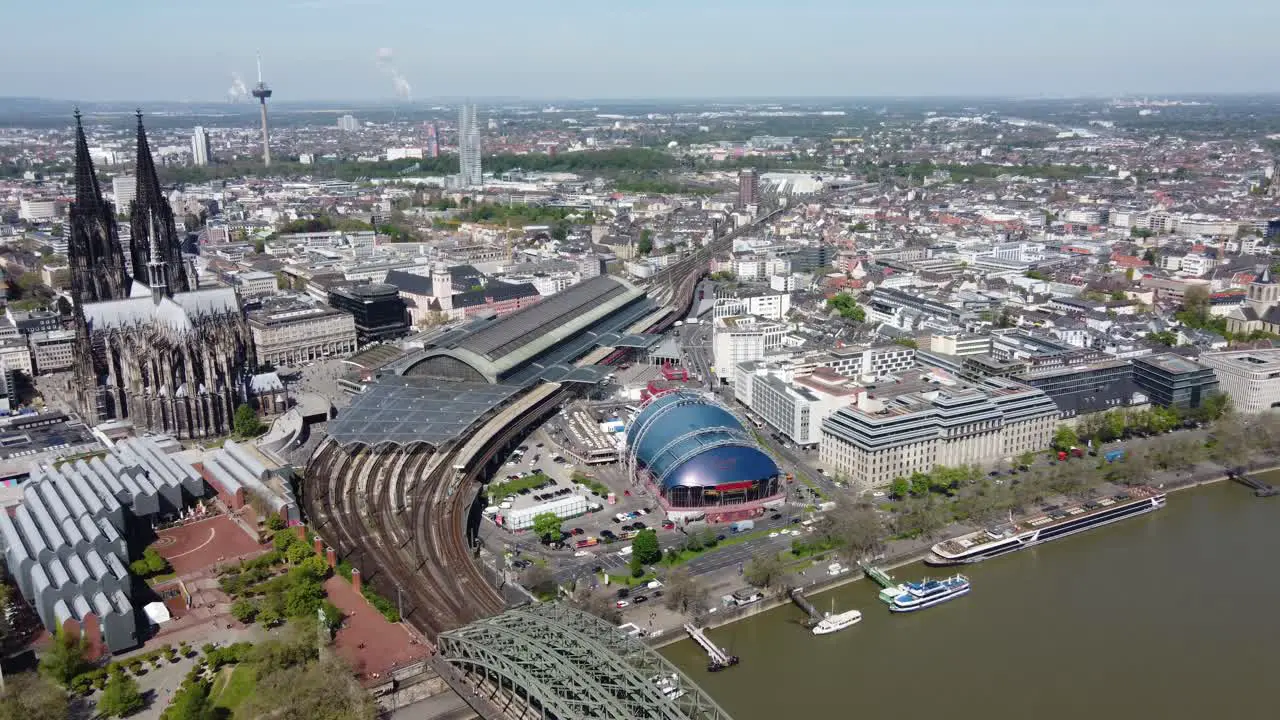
{"x": 802, "y": 602}
{"x": 884, "y": 580}
{"x": 881, "y": 577}
{"x": 717, "y": 658}
{"x": 1260, "y": 488}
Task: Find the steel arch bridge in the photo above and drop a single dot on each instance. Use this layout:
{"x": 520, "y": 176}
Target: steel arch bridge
{"x": 559, "y": 662}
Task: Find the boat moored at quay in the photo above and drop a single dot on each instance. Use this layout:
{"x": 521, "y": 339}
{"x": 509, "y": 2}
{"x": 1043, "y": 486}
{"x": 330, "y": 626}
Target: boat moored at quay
{"x": 1052, "y": 523}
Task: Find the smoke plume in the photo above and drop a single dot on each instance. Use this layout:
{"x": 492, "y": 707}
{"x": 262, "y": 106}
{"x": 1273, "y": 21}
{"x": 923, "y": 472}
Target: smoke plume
{"x": 386, "y": 63}
{"x": 237, "y": 91}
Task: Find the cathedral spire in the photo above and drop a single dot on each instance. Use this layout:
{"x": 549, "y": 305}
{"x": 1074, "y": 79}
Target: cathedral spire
{"x": 88, "y": 193}
{"x": 155, "y": 235}
{"x": 148, "y": 181}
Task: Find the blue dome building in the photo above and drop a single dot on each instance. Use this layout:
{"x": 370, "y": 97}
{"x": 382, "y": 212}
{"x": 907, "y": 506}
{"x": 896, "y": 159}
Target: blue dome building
{"x": 697, "y": 454}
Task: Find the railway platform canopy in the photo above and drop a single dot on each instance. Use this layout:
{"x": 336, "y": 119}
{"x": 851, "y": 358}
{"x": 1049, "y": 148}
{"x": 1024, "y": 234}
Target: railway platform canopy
{"x": 401, "y": 410}
{"x": 572, "y": 665}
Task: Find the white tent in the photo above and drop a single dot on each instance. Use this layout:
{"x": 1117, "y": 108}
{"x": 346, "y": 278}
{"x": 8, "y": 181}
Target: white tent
{"x": 157, "y": 613}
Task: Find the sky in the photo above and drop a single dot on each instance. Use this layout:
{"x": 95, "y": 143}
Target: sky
{"x": 179, "y": 50}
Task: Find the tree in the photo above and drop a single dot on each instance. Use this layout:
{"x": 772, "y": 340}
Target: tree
{"x": 596, "y": 603}
{"x": 685, "y": 594}
{"x": 899, "y": 488}
{"x": 298, "y": 552}
{"x": 28, "y": 696}
{"x": 765, "y": 571}
{"x": 848, "y": 308}
{"x": 303, "y": 599}
{"x": 1164, "y": 337}
{"x": 547, "y": 527}
{"x": 65, "y": 658}
{"x": 244, "y": 610}
{"x": 324, "y": 690}
{"x": 539, "y": 580}
{"x": 283, "y": 539}
{"x": 645, "y": 246}
{"x": 645, "y": 549}
{"x": 246, "y": 423}
{"x": 120, "y": 697}
{"x": 855, "y": 530}
{"x": 1065, "y": 438}
{"x": 332, "y": 616}
{"x": 191, "y": 702}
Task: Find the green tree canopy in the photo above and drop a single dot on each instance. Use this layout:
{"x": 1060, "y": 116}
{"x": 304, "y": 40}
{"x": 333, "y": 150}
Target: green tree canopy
{"x": 246, "y": 423}
{"x": 644, "y": 547}
{"x": 120, "y": 697}
{"x": 847, "y": 306}
{"x": 65, "y": 658}
{"x": 547, "y": 526}
{"x": 1065, "y": 438}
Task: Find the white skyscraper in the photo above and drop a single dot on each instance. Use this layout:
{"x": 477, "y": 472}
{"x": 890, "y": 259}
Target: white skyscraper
{"x": 469, "y": 172}
{"x": 348, "y": 123}
{"x": 125, "y": 189}
{"x": 199, "y": 147}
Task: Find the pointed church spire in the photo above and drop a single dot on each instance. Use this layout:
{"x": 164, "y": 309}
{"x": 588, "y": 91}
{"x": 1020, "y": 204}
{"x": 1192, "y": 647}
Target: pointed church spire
{"x": 148, "y": 182}
{"x": 1265, "y": 278}
{"x": 88, "y": 193}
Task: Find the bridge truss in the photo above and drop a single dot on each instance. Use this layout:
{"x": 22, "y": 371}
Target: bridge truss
{"x": 568, "y": 665}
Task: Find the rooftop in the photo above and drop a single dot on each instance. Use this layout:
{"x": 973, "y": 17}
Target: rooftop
{"x": 403, "y": 410}
{"x": 1171, "y": 363}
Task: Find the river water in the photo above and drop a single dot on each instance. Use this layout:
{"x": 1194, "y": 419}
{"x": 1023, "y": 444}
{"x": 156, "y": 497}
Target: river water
{"x": 1175, "y": 614}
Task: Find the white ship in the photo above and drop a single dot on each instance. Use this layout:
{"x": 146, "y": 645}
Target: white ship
{"x": 837, "y": 622}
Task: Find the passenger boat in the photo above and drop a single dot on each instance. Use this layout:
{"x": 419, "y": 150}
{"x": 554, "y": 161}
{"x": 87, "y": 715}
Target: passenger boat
{"x": 837, "y": 622}
{"x": 1051, "y": 523}
{"x": 918, "y": 596}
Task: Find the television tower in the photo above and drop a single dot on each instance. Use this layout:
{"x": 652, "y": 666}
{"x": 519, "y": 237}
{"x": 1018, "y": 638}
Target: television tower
{"x": 262, "y": 92}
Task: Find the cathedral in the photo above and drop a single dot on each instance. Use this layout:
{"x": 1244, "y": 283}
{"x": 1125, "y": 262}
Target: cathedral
{"x": 152, "y": 348}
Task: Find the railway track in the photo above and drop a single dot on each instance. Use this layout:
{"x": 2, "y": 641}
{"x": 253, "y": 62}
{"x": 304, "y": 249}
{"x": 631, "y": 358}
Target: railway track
{"x": 401, "y": 516}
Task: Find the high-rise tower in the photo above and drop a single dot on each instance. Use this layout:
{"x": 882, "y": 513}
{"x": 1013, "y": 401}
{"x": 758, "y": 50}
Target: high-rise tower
{"x": 262, "y": 92}
{"x": 93, "y": 246}
{"x": 199, "y": 147}
{"x": 748, "y": 187}
{"x": 154, "y": 235}
{"x": 469, "y": 171}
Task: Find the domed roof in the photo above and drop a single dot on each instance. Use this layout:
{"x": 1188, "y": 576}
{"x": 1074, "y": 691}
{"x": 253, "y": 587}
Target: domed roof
{"x": 684, "y": 438}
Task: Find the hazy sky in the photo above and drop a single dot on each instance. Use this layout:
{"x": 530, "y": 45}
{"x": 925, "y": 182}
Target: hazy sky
{"x": 328, "y": 49}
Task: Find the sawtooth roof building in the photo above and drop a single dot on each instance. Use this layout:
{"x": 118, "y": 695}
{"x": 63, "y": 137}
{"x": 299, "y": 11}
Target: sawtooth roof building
{"x": 65, "y": 545}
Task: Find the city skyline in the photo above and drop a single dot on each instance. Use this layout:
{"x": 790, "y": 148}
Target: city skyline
{"x": 718, "y": 49}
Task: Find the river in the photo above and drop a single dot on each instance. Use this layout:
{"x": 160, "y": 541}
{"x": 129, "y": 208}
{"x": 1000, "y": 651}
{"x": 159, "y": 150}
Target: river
{"x": 1175, "y": 614}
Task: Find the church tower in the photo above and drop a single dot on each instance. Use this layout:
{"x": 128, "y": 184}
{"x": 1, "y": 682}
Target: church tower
{"x": 155, "y": 235}
{"x": 1264, "y": 292}
{"x": 93, "y": 244}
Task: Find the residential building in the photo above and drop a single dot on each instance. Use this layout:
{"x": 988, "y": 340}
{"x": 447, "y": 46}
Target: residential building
{"x": 52, "y": 350}
{"x": 15, "y": 356}
{"x": 737, "y": 339}
{"x": 768, "y": 305}
{"x": 199, "y": 147}
{"x": 1174, "y": 381}
{"x": 791, "y": 404}
{"x": 1251, "y": 378}
{"x": 960, "y": 344}
{"x": 860, "y": 361}
{"x": 895, "y": 430}
{"x": 291, "y": 332}
{"x": 37, "y": 209}
{"x": 348, "y": 123}
{"x": 257, "y": 284}
{"x": 378, "y": 309}
{"x": 469, "y": 170}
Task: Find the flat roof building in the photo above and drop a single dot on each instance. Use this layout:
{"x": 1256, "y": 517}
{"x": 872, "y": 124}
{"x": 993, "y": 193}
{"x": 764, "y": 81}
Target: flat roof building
{"x": 291, "y": 332}
{"x": 1171, "y": 380}
{"x": 1251, "y": 378}
{"x": 917, "y": 423}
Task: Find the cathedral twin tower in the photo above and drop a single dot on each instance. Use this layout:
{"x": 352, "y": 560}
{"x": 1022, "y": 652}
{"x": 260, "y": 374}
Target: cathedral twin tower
{"x": 152, "y": 348}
